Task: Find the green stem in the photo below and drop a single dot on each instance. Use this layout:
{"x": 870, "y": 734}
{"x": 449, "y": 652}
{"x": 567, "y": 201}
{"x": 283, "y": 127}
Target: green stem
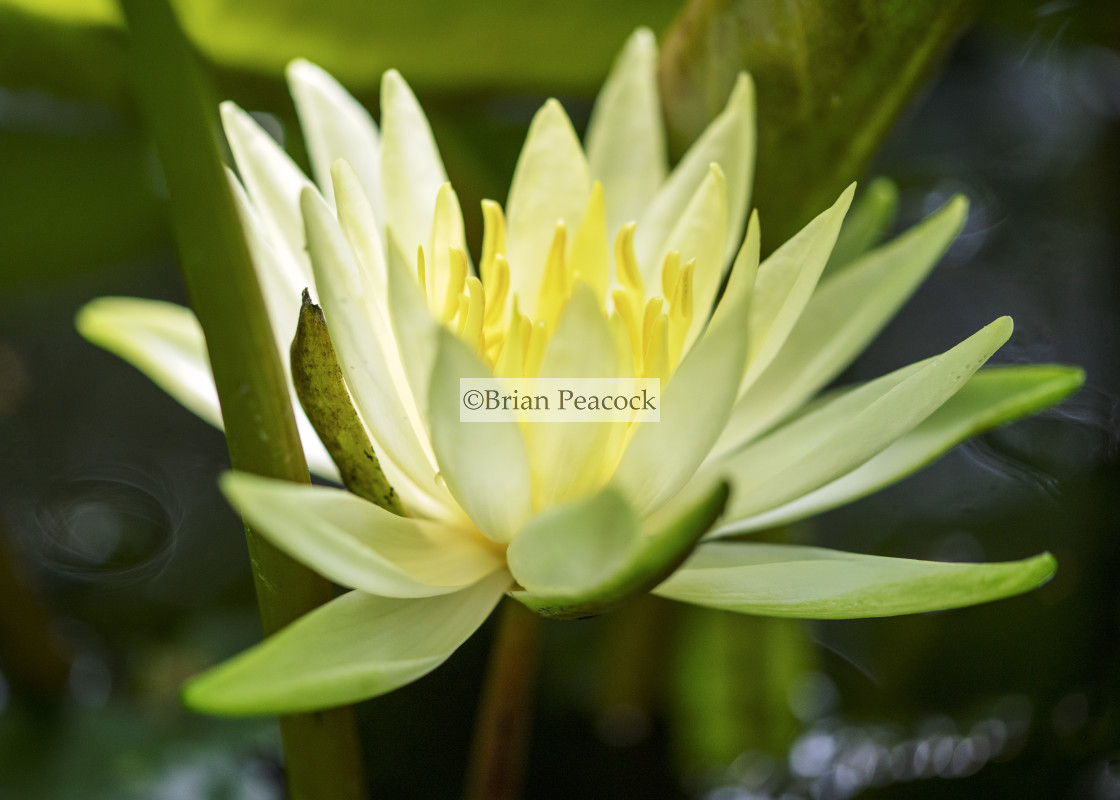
{"x": 321, "y": 750}
{"x": 501, "y": 735}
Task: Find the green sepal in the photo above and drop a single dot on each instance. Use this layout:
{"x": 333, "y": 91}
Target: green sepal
{"x": 587, "y": 557}
{"x": 322, "y": 393}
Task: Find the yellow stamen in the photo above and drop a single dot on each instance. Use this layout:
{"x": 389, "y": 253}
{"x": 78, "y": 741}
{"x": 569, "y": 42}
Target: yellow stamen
{"x": 471, "y": 320}
{"x": 554, "y": 286}
{"x": 681, "y": 313}
{"x": 456, "y": 278}
{"x": 497, "y": 291}
{"x": 421, "y": 278}
{"x": 626, "y": 261}
{"x": 626, "y": 310}
{"x": 589, "y": 260}
{"x": 652, "y": 312}
{"x": 511, "y": 362}
{"x": 669, "y": 270}
{"x": 493, "y": 240}
{"x": 538, "y": 338}
{"x": 656, "y": 356}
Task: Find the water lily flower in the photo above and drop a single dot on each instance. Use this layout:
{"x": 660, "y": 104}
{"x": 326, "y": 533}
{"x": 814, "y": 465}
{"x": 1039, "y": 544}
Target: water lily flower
{"x": 604, "y": 263}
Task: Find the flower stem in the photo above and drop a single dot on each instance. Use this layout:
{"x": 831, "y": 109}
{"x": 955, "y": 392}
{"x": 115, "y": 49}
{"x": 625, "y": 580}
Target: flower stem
{"x": 501, "y": 734}
{"x": 321, "y": 750}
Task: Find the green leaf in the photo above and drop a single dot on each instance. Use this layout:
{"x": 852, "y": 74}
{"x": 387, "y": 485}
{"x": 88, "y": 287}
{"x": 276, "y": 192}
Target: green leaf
{"x": 815, "y": 583}
{"x": 586, "y": 557}
{"x": 992, "y": 397}
{"x": 832, "y": 78}
{"x": 322, "y": 393}
{"x": 355, "y": 647}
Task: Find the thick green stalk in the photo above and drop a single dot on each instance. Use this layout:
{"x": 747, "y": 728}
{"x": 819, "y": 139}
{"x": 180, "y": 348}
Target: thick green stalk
{"x": 501, "y": 736}
{"x": 321, "y": 750}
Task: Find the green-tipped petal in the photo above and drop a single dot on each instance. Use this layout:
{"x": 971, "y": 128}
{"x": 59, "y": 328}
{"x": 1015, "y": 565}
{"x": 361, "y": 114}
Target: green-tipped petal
{"x": 550, "y": 183}
{"x": 357, "y": 544}
{"x": 842, "y": 317}
{"x": 785, "y": 283}
{"x": 271, "y": 178}
{"x": 728, "y": 141}
{"x": 871, "y": 217}
{"x": 588, "y": 556}
{"x": 353, "y": 648}
{"x": 336, "y": 126}
{"x": 815, "y": 583}
{"x": 626, "y": 136}
{"x": 485, "y": 465}
{"x": 411, "y": 168}
{"x": 837, "y": 436}
{"x": 992, "y": 397}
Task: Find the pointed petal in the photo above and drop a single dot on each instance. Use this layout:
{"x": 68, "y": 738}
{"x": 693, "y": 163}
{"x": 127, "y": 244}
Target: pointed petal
{"x": 699, "y": 235}
{"x": 992, "y": 397}
{"x": 663, "y": 456}
{"x": 165, "y": 342}
{"x": 815, "y": 583}
{"x": 838, "y": 436}
{"x": 397, "y": 432}
{"x": 162, "y": 340}
{"x": 842, "y": 317}
{"x": 271, "y": 178}
{"x": 567, "y": 459}
{"x": 588, "y": 556}
{"x": 785, "y": 283}
{"x": 357, "y": 544}
{"x": 870, "y": 218}
{"x": 353, "y": 648}
{"x": 484, "y": 464}
{"x": 411, "y": 168}
{"x": 551, "y": 182}
{"x": 728, "y": 141}
{"x": 626, "y": 136}
{"x": 336, "y": 126}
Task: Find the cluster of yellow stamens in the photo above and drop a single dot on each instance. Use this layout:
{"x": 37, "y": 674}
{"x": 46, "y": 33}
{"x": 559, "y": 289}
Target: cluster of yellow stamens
{"x": 650, "y": 334}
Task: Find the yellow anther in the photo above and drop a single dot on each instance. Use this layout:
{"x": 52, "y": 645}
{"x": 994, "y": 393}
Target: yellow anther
{"x": 681, "y": 312}
{"x": 626, "y": 309}
{"x": 656, "y": 356}
{"x": 652, "y": 312}
{"x": 538, "y": 338}
{"x": 669, "y": 270}
{"x": 456, "y": 282}
{"x": 471, "y": 319}
{"x": 554, "y": 286}
{"x": 493, "y": 240}
{"x": 626, "y": 261}
{"x": 421, "y": 278}
{"x": 497, "y": 291}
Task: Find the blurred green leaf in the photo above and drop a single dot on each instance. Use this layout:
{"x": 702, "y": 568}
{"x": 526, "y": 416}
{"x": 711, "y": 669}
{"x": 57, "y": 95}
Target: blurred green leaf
{"x": 831, "y": 78}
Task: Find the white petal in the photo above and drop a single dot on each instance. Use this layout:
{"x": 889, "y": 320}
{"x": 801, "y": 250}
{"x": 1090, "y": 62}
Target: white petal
{"x": 411, "y": 169}
{"x": 551, "y": 183}
{"x": 355, "y": 647}
{"x": 625, "y": 136}
{"x": 395, "y": 427}
{"x": 843, "y": 315}
{"x": 357, "y": 544}
{"x": 728, "y": 141}
{"x": 335, "y": 126}
{"x": 271, "y": 178}
{"x": 838, "y": 436}
{"x": 484, "y": 464}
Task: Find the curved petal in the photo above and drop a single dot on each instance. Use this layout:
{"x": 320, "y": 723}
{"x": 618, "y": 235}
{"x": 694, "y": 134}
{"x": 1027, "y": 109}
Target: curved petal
{"x": 838, "y": 436}
{"x": 165, "y": 342}
{"x": 271, "y": 178}
{"x": 550, "y": 183}
{"x": 626, "y": 136}
{"x": 484, "y": 464}
{"x": 336, "y": 126}
{"x": 567, "y": 458}
{"x": 728, "y": 141}
{"x": 662, "y": 456}
{"x": 992, "y": 397}
{"x": 394, "y": 425}
{"x": 843, "y": 315}
{"x": 355, "y": 647}
{"x": 357, "y": 544}
{"x": 162, "y": 340}
{"x": 869, "y": 220}
{"x": 411, "y": 169}
{"x": 812, "y": 582}
{"x": 588, "y": 556}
